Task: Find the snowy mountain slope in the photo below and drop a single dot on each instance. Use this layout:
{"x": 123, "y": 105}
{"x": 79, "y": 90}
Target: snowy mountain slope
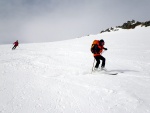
{"x": 56, "y": 77}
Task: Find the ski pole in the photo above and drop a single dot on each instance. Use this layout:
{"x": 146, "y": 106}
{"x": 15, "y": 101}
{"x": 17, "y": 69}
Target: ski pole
{"x": 11, "y": 46}
{"x": 93, "y": 65}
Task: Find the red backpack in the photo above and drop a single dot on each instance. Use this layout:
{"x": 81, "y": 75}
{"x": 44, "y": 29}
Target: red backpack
{"x": 94, "y": 47}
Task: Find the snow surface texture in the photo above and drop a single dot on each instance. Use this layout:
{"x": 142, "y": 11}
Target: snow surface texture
{"x": 56, "y": 77}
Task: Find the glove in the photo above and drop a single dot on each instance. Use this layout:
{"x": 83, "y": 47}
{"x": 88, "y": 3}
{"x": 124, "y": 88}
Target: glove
{"x": 105, "y": 48}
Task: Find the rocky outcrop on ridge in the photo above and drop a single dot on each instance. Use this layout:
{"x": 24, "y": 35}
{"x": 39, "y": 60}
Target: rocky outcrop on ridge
{"x": 128, "y": 25}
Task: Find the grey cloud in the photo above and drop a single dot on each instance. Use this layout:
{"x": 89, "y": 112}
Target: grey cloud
{"x": 51, "y": 20}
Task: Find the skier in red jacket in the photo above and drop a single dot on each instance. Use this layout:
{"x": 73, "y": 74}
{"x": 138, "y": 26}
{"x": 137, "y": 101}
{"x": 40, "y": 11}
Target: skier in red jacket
{"x": 97, "y": 55}
{"x": 15, "y": 45}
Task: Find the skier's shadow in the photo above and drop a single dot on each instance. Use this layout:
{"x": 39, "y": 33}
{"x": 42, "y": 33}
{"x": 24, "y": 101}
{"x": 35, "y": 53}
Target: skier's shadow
{"x": 122, "y": 71}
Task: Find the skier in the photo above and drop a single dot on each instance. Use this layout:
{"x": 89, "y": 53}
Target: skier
{"x": 98, "y": 53}
{"x": 15, "y": 45}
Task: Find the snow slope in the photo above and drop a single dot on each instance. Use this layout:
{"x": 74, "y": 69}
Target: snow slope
{"x": 56, "y": 77}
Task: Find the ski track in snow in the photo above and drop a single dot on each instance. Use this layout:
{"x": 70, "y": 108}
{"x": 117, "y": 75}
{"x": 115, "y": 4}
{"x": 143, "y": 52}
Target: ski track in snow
{"x": 47, "y": 78}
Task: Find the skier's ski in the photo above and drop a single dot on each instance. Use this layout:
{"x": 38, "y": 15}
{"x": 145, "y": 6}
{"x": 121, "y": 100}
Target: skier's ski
{"x": 106, "y": 72}
{"x": 111, "y": 73}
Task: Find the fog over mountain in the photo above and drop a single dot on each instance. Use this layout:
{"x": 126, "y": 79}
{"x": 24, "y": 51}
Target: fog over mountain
{"x": 53, "y": 20}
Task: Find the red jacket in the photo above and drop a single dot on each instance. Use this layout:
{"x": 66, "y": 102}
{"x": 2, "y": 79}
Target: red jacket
{"x": 16, "y": 43}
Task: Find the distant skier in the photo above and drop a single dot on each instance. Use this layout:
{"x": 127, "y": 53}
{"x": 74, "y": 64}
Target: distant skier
{"x": 15, "y": 45}
{"x": 97, "y": 49}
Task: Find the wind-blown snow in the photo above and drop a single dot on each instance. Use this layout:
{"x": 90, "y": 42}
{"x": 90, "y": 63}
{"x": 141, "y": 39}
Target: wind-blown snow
{"x": 56, "y": 77}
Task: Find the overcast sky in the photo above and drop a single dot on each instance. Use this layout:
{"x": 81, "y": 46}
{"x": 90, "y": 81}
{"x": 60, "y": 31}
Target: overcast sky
{"x": 51, "y": 20}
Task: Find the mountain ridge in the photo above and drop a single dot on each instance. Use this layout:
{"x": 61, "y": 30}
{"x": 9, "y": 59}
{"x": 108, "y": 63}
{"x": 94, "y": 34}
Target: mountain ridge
{"x": 128, "y": 25}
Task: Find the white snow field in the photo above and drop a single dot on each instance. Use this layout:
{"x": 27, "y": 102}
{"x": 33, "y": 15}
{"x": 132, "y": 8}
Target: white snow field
{"x": 56, "y": 77}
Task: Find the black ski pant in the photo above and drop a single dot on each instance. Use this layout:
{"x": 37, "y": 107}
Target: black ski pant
{"x": 14, "y": 47}
{"x": 98, "y": 58}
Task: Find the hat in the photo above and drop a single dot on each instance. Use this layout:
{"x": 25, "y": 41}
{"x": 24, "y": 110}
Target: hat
{"x": 101, "y": 40}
